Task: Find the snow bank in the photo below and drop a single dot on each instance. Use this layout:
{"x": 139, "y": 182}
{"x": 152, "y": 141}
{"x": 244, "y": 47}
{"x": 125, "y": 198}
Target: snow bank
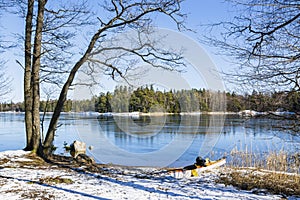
{"x": 114, "y": 183}
{"x": 13, "y": 153}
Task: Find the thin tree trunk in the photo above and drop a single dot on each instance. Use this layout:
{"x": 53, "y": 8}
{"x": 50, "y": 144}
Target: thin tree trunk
{"x": 27, "y": 77}
{"x": 36, "y": 76}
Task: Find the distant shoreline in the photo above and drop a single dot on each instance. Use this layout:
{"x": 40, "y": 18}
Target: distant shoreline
{"x": 141, "y": 114}
{"x": 244, "y": 113}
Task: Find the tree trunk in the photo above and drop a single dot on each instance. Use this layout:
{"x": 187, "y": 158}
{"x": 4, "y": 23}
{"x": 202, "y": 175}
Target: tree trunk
{"x": 35, "y": 78}
{"x": 47, "y": 146}
{"x": 27, "y": 77}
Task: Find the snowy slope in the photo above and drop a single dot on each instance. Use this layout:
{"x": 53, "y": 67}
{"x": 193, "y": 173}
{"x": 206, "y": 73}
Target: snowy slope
{"x": 26, "y": 182}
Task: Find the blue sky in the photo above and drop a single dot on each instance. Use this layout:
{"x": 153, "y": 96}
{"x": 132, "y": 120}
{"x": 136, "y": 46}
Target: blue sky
{"x": 200, "y": 12}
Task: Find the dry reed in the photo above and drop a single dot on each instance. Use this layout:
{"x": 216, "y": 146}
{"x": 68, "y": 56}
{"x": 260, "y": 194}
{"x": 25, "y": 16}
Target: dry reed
{"x": 274, "y": 172}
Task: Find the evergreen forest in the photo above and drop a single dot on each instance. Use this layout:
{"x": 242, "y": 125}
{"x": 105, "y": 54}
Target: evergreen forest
{"x": 147, "y": 99}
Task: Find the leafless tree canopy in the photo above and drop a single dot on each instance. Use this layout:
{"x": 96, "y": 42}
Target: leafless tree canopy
{"x": 265, "y": 41}
{"x": 54, "y": 50}
{"x": 121, "y": 16}
{"x": 68, "y": 27}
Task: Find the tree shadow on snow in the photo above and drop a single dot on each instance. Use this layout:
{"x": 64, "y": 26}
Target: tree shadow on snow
{"x": 54, "y": 187}
{"x": 96, "y": 171}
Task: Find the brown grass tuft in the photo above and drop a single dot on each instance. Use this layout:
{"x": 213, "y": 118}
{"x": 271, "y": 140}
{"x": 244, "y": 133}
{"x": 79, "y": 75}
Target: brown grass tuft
{"x": 274, "y": 161}
{"x": 55, "y": 180}
{"x": 285, "y": 184}
{"x": 274, "y": 172}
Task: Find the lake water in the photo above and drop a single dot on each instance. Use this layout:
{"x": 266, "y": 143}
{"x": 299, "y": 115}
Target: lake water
{"x": 158, "y": 140}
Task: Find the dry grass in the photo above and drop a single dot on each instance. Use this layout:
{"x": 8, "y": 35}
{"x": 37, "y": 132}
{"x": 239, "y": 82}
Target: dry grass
{"x": 275, "y": 172}
{"x": 256, "y": 180}
{"x": 55, "y": 180}
{"x": 274, "y": 161}
{"x": 36, "y": 195}
{"x": 3, "y": 161}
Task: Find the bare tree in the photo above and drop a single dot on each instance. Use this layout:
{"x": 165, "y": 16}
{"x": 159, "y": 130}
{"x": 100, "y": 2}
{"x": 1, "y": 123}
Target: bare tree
{"x": 123, "y": 16}
{"x": 47, "y": 51}
{"x": 55, "y": 28}
{"x": 27, "y": 76}
{"x": 264, "y": 40}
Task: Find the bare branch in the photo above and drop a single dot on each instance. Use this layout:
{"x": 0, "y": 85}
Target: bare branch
{"x": 263, "y": 42}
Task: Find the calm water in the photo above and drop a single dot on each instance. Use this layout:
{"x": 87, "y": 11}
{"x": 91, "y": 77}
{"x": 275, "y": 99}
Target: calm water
{"x": 156, "y": 141}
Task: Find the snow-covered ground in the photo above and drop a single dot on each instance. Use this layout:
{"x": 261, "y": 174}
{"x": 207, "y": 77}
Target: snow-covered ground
{"x": 25, "y": 181}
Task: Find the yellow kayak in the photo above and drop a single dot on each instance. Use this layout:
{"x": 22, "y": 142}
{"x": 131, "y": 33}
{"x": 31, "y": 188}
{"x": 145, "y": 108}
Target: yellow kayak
{"x": 186, "y": 172}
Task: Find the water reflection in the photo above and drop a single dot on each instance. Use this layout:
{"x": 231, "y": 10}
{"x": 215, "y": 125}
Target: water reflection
{"x": 147, "y": 135}
{"x": 163, "y": 137}
{"x": 12, "y": 131}
{"x": 161, "y": 140}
